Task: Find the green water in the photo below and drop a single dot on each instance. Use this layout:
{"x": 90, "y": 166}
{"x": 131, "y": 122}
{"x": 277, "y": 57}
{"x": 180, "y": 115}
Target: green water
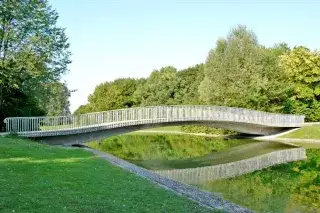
{"x": 163, "y": 147}
{"x": 290, "y": 187}
{"x": 240, "y": 152}
{"x": 157, "y": 152}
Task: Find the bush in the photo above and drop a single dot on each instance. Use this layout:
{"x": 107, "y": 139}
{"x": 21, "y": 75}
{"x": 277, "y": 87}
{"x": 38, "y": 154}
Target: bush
{"x": 206, "y": 129}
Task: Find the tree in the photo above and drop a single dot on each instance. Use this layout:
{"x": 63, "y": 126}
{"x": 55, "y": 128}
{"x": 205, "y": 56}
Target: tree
{"x": 277, "y": 88}
{"x": 111, "y": 95}
{"x": 33, "y": 51}
{"x": 241, "y": 73}
{"x": 189, "y": 81}
{"x": 303, "y": 68}
{"x": 159, "y": 89}
{"x": 86, "y": 108}
{"x": 57, "y": 99}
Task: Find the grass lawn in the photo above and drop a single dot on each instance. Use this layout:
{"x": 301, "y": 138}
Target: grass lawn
{"x": 58, "y": 127}
{"x": 158, "y": 131}
{"x": 40, "y": 178}
{"x": 306, "y": 132}
{"x": 165, "y": 128}
{"x": 308, "y": 145}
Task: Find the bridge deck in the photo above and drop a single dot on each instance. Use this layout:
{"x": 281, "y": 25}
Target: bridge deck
{"x": 78, "y": 124}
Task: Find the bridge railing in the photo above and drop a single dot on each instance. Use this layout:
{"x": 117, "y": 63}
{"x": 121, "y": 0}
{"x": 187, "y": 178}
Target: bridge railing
{"x": 149, "y": 115}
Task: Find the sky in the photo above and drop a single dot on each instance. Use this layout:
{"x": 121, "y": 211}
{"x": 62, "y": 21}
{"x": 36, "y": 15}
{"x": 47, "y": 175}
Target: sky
{"x": 113, "y": 39}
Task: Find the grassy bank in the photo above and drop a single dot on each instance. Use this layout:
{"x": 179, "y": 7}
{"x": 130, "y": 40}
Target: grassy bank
{"x": 165, "y": 128}
{"x": 306, "y": 132}
{"x": 291, "y": 187}
{"x": 39, "y": 178}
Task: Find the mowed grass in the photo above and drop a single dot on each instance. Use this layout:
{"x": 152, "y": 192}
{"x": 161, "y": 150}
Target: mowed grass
{"x": 158, "y": 131}
{"x": 308, "y": 145}
{"x": 306, "y": 132}
{"x": 164, "y": 129}
{"x": 58, "y": 127}
{"x": 39, "y": 178}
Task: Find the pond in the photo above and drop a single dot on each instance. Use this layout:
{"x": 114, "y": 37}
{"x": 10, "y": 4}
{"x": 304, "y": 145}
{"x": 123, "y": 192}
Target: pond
{"x": 157, "y": 152}
{"x": 289, "y": 187}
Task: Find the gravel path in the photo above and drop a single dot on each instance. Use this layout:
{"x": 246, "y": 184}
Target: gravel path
{"x": 193, "y": 193}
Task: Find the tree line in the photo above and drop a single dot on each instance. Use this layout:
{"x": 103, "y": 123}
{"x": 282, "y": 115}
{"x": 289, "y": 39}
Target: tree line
{"x": 238, "y": 72}
{"x": 34, "y": 54}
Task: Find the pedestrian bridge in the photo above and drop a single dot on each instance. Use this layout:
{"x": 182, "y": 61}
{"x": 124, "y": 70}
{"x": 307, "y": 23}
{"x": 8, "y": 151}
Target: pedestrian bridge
{"x": 93, "y": 126}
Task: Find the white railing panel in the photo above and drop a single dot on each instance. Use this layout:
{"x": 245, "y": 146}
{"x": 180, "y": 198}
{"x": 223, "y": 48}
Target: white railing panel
{"x": 148, "y": 115}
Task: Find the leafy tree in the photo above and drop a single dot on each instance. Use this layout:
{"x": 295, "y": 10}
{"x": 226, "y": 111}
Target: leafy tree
{"x": 303, "y": 68}
{"x": 57, "y": 99}
{"x": 189, "y": 81}
{"x": 111, "y": 95}
{"x": 277, "y": 87}
{"x": 159, "y": 89}
{"x": 83, "y": 109}
{"x": 33, "y": 52}
{"x": 239, "y": 72}
{"x": 230, "y": 69}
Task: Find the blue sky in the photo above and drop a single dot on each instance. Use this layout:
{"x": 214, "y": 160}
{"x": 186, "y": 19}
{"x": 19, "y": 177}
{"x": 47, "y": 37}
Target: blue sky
{"x": 112, "y": 39}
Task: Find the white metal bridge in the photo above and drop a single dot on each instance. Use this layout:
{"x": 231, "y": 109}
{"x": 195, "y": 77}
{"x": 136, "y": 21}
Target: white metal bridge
{"x": 238, "y": 119}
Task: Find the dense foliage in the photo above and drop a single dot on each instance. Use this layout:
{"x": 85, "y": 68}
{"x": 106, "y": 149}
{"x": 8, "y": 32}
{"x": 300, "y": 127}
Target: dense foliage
{"x": 291, "y": 187}
{"x": 238, "y": 72}
{"x": 206, "y": 129}
{"x": 33, "y": 56}
{"x": 303, "y": 68}
{"x": 111, "y": 95}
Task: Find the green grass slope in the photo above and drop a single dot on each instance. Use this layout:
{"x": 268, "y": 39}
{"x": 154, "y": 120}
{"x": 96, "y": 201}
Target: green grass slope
{"x": 306, "y": 132}
{"x": 38, "y": 178}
